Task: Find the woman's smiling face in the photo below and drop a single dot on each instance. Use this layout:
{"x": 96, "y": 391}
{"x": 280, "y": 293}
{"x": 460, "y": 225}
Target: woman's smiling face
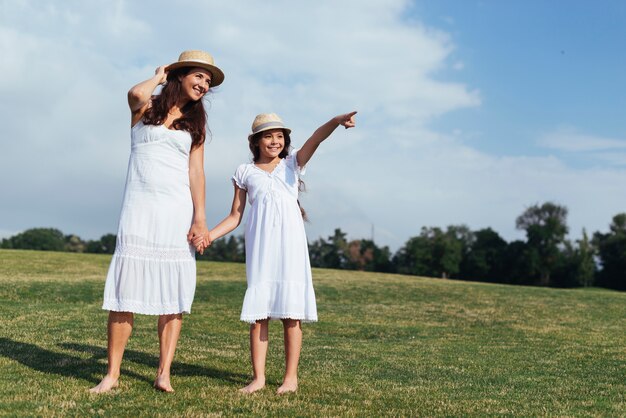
{"x": 196, "y": 83}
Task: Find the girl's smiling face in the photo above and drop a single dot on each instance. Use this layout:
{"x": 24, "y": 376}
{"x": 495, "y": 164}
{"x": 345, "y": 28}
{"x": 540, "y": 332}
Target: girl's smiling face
{"x": 195, "y": 83}
{"x": 271, "y": 144}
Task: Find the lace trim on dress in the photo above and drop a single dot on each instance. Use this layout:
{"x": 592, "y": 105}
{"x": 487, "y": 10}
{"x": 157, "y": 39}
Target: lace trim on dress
{"x": 160, "y": 254}
{"x": 251, "y": 319}
{"x": 146, "y": 308}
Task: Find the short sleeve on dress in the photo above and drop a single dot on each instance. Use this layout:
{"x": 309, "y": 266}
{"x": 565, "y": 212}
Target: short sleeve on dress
{"x": 292, "y": 162}
{"x": 239, "y": 177}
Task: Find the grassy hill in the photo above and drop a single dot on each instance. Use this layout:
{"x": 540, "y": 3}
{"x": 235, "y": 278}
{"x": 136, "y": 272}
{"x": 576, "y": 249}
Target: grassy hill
{"x": 385, "y": 345}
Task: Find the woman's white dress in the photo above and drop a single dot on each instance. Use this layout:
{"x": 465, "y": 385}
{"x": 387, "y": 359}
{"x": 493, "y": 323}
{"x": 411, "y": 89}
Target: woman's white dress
{"x": 278, "y": 269}
{"x": 153, "y": 270}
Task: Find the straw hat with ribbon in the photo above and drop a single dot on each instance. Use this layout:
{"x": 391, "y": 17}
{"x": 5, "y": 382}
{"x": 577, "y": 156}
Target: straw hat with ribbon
{"x": 265, "y": 122}
{"x": 199, "y": 59}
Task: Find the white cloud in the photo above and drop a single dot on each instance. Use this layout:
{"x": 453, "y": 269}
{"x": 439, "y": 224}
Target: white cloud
{"x": 612, "y": 158}
{"x": 571, "y": 140}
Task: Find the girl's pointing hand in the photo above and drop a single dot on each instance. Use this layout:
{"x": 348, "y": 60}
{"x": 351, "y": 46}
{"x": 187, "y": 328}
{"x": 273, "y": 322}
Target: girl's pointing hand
{"x": 346, "y": 120}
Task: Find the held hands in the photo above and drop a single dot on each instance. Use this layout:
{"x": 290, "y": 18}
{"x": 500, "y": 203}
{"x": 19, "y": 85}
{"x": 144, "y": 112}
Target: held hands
{"x": 199, "y": 237}
{"x": 202, "y": 242}
{"x": 346, "y": 120}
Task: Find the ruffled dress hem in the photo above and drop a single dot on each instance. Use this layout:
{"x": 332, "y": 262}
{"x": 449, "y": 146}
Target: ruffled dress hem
{"x": 145, "y": 309}
{"x": 276, "y": 316}
{"x": 279, "y": 300}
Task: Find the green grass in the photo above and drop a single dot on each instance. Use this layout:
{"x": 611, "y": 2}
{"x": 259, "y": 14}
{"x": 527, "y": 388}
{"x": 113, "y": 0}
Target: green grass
{"x": 385, "y": 345}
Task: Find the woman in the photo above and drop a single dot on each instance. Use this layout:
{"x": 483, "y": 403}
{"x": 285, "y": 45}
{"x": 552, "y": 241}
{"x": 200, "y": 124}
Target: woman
{"x": 153, "y": 270}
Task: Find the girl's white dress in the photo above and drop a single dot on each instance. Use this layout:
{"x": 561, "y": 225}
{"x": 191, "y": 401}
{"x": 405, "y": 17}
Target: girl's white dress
{"x": 278, "y": 270}
{"x": 153, "y": 270}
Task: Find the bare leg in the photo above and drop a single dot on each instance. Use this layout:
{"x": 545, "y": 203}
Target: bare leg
{"x": 258, "y": 352}
{"x": 293, "y": 345}
{"x": 169, "y": 330}
{"x": 119, "y": 328}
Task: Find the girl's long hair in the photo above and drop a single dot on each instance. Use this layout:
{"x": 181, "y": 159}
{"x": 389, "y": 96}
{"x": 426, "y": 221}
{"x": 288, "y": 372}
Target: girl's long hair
{"x": 194, "y": 116}
{"x": 253, "y": 144}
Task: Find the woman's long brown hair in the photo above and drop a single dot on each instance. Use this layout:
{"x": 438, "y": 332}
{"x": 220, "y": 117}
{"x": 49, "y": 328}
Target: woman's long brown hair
{"x": 194, "y": 117}
{"x": 253, "y": 143}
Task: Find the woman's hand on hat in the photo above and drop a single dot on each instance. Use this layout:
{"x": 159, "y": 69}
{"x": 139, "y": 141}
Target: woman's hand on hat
{"x": 346, "y": 120}
{"x": 160, "y": 74}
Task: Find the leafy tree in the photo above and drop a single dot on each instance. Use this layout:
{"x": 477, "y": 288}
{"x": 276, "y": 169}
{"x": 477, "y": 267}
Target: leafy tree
{"x": 612, "y": 254}
{"x": 44, "y": 239}
{"x": 366, "y": 255}
{"x": 414, "y": 257}
{"x": 434, "y": 252}
{"x": 332, "y": 253}
{"x": 485, "y": 257}
{"x": 74, "y": 244}
{"x": 545, "y": 228}
{"x": 108, "y": 242}
{"x": 577, "y": 266}
{"x": 519, "y": 263}
{"x": 586, "y": 266}
{"x": 105, "y": 245}
{"x": 230, "y": 249}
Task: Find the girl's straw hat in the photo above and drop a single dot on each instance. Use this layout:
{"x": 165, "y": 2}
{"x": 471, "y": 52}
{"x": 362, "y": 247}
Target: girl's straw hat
{"x": 265, "y": 122}
{"x": 199, "y": 59}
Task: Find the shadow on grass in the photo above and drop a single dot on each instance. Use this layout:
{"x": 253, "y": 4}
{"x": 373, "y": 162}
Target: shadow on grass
{"x": 47, "y": 361}
{"x": 91, "y": 370}
{"x": 178, "y": 368}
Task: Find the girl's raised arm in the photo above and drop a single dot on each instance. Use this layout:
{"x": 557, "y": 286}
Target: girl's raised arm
{"x": 139, "y": 95}
{"x": 308, "y": 149}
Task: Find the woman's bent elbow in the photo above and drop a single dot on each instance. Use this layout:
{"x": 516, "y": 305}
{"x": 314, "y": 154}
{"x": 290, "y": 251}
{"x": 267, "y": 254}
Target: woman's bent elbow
{"x": 135, "y": 100}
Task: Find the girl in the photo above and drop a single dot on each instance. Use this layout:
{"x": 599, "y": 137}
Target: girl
{"x": 277, "y": 259}
{"x": 153, "y": 270}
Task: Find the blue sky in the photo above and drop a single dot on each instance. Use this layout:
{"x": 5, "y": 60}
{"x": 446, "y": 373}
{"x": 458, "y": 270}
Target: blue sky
{"x": 538, "y": 64}
{"x": 469, "y": 111}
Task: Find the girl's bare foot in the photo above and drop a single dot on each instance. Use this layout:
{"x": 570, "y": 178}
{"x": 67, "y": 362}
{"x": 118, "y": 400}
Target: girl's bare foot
{"x": 289, "y": 385}
{"x": 162, "y": 383}
{"x": 256, "y": 384}
{"x": 105, "y": 385}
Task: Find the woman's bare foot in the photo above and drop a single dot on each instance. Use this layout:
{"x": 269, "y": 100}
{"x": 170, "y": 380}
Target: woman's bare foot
{"x": 106, "y": 384}
{"x": 289, "y": 385}
{"x": 162, "y": 383}
{"x": 256, "y": 384}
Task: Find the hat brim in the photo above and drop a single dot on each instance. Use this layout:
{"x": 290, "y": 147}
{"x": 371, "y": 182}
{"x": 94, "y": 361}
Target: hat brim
{"x": 269, "y": 128}
{"x": 217, "y": 75}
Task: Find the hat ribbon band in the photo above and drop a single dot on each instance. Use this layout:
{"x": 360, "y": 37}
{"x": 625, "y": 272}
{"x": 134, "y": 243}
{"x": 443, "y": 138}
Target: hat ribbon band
{"x": 268, "y": 124}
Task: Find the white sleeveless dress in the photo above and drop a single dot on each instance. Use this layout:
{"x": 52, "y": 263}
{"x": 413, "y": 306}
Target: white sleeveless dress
{"x": 278, "y": 269}
{"x": 153, "y": 270}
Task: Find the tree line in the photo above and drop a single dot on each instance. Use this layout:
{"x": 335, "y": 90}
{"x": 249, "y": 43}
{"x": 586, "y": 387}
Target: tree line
{"x": 52, "y": 239}
{"x": 545, "y": 258}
